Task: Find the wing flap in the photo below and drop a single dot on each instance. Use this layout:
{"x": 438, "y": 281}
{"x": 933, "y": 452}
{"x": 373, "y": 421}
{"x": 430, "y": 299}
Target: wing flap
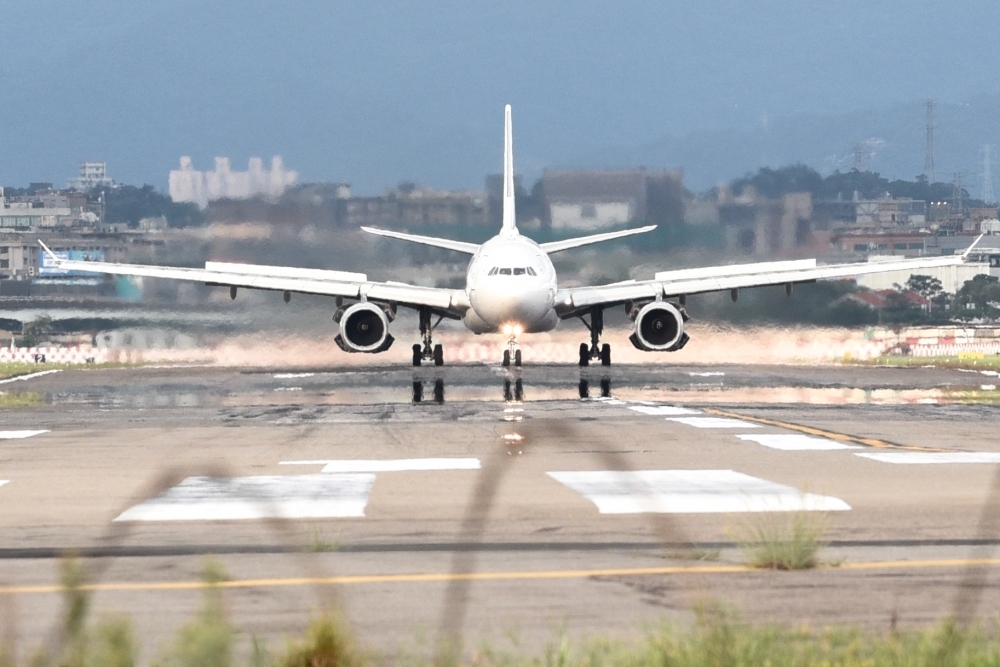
{"x": 313, "y": 281}
{"x": 734, "y": 270}
{"x": 694, "y": 281}
{"x": 828, "y": 272}
{"x": 285, "y": 272}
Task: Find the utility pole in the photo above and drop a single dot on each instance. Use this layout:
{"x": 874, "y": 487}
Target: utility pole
{"x": 858, "y": 157}
{"x": 929, "y": 148}
{"x": 986, "y": 188}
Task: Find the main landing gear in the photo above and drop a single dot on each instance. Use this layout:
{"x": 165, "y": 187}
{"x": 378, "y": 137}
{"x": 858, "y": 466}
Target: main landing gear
{"x": 428, "y": 351}
{"x": 595, "y": 350}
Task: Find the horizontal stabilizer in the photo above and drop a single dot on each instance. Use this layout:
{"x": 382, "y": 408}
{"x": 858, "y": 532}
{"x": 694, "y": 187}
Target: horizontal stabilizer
{"x": 447, "y": 244}
{"x": 556, "y": 246}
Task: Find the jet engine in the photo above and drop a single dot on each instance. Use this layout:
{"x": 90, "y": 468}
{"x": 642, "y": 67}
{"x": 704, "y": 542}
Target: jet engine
{"x": 659, "y": 327}
{"x": 364, "y": 327}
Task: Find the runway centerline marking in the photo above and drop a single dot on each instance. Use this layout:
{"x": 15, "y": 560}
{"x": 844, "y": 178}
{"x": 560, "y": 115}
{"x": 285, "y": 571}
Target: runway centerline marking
{"x": 832, "y": 435}
{"x": 240, "y": 498}
{"x": 713, "y": 422}
{"x": 438, "y": 577}
{"x": 389, "y": 465}
{"x": 690, "y": 492}
{"x": 663, "y": 410}
{"x": 932, "y": 458}
{"x": 796, "y": 442}
{"x": 17, "y": 435}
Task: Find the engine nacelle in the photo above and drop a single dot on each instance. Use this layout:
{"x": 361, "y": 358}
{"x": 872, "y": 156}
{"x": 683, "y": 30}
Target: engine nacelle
{"x": 659, "y": 327}
{"x": 364, "y": 327}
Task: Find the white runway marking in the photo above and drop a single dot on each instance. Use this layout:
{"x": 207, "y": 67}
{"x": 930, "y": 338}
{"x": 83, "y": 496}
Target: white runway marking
{"x": 285, "y": 376}
{"x": 713, "y": 422}
{"x": 17, "y": 435}
{"x": 390, "y": 465}
{"x": 925, "y": 458}
{"x": 287, "y": 497}
{"x": 690, "y": 491}
{"x": 663, "y": 410}
{"x": 39, "y": 374}
{"x": 796, "y": 442}
{"x": 705, "y": 375}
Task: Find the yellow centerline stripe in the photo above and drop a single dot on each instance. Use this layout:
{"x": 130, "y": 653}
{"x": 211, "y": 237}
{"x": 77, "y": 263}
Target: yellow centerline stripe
{"x": 832, "y": 435}
{"x": 418, "y": 578}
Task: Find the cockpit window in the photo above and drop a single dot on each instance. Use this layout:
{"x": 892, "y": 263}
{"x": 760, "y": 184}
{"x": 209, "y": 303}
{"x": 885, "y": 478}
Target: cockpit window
{"x": 504, "y": 272}
{"x": 492, "y": 272}
{"x": 531, "y": 272}
{"x": 519, "y": 272}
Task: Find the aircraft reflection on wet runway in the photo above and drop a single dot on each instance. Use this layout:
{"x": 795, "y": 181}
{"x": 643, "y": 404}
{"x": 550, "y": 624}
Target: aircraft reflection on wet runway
{"x": 513, "y": 389}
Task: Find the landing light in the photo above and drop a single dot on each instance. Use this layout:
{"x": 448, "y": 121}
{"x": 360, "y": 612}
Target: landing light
{"x": 518, "y": 330}
{"x": 507, "y": 330}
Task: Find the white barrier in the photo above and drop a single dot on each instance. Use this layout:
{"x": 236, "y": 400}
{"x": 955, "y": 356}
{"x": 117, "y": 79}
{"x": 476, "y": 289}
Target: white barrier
{"x": 77, "y": 354}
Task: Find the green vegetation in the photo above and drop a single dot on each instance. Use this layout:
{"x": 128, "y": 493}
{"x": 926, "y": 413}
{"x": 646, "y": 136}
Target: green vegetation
{"x": 775, "y": 183}
{"x": 971, "y": 362}
{"x": 17, "y": 368}
{"x": 130, "y": 204}
{"x": 24, "y": 399}
{"x": 783, "y": 541}
{"x": 823, "y": 304}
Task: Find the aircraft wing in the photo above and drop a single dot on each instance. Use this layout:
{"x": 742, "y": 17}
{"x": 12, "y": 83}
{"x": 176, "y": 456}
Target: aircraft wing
{"x": 449, "y": 302}
{"x": 683, "y": 282}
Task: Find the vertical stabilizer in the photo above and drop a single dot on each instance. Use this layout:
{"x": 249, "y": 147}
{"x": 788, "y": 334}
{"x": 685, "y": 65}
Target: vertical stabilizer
{"x": 509, "y": 220}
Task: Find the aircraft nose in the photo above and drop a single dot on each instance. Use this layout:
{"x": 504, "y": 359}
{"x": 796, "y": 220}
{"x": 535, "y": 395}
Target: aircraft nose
{"x": 503, "y": 304}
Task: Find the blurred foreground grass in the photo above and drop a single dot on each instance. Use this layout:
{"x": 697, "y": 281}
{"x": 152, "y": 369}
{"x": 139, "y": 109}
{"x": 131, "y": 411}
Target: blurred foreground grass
{"x": 969, "y": 362}
{"x": 717, "y": 638}
{"x": 17, "y": 368}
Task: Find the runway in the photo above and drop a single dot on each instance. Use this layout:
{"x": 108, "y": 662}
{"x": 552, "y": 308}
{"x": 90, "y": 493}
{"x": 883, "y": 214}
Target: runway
{"x": 502, "y": 501}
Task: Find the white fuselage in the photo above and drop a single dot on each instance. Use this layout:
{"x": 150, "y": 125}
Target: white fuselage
{"x": 511, "y": 285}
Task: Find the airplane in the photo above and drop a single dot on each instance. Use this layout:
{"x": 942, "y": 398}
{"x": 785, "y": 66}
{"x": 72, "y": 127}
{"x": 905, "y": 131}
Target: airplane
{"x": 511, "y": 288}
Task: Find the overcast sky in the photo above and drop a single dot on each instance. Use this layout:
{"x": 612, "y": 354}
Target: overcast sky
{"x": 377, "y": 92}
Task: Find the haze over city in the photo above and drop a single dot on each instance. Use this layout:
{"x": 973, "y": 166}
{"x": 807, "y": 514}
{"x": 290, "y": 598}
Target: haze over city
{"x": 376, "y": 93}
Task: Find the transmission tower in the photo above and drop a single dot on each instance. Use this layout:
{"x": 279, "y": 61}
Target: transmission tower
{"x": 859, "y": 154}
{"x": 958, "y": 193}
{"x": 929, "y": 149}
{"x": 986, "y": 188}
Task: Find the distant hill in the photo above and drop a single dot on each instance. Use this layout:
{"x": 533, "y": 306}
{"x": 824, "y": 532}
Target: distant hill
{"x": 892, "y": 141}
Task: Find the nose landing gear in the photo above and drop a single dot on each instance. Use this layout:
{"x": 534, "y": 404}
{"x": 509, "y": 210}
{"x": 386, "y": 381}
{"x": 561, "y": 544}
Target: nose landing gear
{"x": 595, "y": 350}
{"x": 512, "y": 352}
{"x": 428, "y": 351}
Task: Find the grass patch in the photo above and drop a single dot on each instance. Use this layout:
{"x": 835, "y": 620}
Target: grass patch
{"x": 894, "y": 361}
{"x": 783, "y": 540}
{"x": 703, "y": 555}
{"x": 318, "y": 544}
{"x": 22, "y": 399}
{"x": 16, "y": 368}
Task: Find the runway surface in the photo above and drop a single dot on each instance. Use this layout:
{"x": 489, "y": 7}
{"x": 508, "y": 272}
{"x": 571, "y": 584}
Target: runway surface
{"x": 505, "y": 502}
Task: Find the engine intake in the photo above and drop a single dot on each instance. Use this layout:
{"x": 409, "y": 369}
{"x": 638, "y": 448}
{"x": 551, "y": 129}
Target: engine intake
{"x": 659, "y": 327}
{"x": 364, "y": 327}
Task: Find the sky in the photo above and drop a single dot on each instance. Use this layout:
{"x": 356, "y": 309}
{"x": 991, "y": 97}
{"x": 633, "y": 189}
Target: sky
{"x": 374, "y": 93}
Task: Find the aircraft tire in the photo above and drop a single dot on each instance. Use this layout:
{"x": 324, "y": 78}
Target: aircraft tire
{"x": 606, "y": 355}
{"x": 417, "y": 354}
{"x": 517, "y": 357}
{"x": 584, "y": 355}
{"x": 439, "y": 355}
{"x": 506, "y": 358}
